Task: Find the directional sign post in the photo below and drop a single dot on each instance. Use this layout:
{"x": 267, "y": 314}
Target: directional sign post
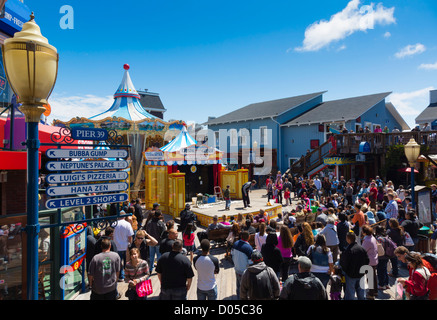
{"x": 79, "y": 177}
{"x": 76, "y": 153}
{"x": 86, "y": 188}
{"x": 86, "y": 201}
{"x": 86, "y": 165}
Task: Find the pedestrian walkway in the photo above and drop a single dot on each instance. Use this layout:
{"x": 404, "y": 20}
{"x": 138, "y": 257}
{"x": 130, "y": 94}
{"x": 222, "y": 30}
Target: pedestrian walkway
{"x": 226, "y": 281}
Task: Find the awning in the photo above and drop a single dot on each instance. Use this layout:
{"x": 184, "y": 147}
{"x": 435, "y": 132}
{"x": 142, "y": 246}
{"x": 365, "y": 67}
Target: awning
{"x": 182, "y": 140}
{"x": 15, "y": 160}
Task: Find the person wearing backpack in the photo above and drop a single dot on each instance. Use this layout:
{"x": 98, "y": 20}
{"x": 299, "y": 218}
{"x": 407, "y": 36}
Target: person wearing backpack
{"x": 389, "y": 248}
{"x": 416, "y": 285}
{"x": 303, "y": 285}
{"x": 259, "y": 282}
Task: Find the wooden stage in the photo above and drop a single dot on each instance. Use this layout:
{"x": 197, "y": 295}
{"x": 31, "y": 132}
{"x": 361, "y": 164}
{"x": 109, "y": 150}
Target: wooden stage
{"x": 258, "y": 201}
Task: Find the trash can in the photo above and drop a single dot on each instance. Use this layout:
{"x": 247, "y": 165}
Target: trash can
{"x": 423, "y": 244}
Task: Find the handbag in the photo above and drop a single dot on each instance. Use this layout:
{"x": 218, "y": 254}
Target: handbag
{"x": 381, "y": 251}
{"x": 399, "y": 291}
{"x": 144, "y": 288}
{"x": 408, "y": 241}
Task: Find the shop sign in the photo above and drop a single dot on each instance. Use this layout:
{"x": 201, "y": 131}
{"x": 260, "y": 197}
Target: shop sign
{"x": 338, "y": 161}
{"x": 154, "y": 155}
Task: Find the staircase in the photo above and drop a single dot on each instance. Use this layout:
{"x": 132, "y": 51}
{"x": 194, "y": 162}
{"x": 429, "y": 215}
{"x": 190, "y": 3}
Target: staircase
{"x": 313, "y": 161}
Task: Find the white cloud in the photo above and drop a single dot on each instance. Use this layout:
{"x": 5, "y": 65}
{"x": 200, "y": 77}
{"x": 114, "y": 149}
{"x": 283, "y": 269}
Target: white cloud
{"x": 410, "y": 50}
{"x": 65, "y": 108}
{"x": 351, "y": 19}
{"x": 410, "y": 104}
{"x": 387, "y": 35}
{"x": 428, "y": 66}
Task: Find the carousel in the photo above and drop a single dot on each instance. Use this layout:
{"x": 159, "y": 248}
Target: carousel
{"x": 133, "y": 125}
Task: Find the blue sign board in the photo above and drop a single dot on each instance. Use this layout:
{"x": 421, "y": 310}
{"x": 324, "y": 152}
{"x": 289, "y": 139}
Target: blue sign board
{"x": 86, "y": 188}
{"x": 86, "y": 201}
{"x": 86, "y": 153}
{"x": 78, "y": 177}
{"x": 364, "y": 147}
{"x": 86, "y": 165}
{"x": 97, "y": 134}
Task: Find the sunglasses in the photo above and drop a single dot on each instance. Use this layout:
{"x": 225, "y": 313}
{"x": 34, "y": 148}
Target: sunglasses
{"x": 140, "y": 238}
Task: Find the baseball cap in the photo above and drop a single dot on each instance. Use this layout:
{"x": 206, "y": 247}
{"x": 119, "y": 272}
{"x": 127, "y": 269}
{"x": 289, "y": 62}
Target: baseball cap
{"x": 256, "y": 257}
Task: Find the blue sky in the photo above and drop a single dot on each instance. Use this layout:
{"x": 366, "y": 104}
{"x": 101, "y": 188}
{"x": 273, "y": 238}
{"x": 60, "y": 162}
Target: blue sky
{"x": 207, "y": 57}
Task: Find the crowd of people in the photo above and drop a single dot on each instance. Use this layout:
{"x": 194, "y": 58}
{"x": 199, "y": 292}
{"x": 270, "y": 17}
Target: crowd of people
{"x": 333, "y": 231}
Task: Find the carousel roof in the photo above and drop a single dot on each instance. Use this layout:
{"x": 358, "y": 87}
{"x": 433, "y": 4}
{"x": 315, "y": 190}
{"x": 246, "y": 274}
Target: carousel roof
{"x": 127, "y": 102}
{"x": 182, "y": 140}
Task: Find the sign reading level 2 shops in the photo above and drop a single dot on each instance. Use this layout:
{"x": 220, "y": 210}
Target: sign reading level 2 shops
{"x": 86, "y": 188}
{"x": 86, "y": 201}
{"x": 95, "y": 153}
{"x": 86, "y": 165}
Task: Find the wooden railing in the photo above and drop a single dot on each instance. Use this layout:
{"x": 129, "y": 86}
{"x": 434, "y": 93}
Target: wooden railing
{"x": 349, "y": 143}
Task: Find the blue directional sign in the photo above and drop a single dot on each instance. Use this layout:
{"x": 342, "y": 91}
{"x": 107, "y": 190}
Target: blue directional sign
{"x": 78, "y": 177}
{"x": 86, "y": 188}
{"x": 94, "y": 153}
{"x": 86, "y": 165}
{"x": 86, "y": 201}
{"x": 80, "y": 133}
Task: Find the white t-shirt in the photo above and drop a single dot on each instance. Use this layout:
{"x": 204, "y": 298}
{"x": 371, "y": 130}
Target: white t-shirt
{"x": 206, "y": 267}
{"x": 122, "y": 232}
{"x": 260, "y": 240}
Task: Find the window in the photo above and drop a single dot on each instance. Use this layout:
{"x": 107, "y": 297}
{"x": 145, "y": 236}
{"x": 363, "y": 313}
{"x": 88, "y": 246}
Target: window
{"x": 314, "y": 143}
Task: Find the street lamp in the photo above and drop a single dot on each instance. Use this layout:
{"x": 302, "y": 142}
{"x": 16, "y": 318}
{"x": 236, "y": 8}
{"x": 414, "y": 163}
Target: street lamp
{"x": 31, "y": 67}
{"x": 412, "y": 152}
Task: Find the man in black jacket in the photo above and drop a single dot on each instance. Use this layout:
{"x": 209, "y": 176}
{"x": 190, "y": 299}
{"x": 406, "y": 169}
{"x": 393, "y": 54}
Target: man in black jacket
{"x": 351, "y": 261}
{"x": 138, "y": 212}
{"x": 245, "y": 192}
{"x": 303, "y": 285}
{"x": 187, "y": 216}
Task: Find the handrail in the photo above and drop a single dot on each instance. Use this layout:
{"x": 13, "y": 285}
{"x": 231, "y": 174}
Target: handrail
{"x": 378, "y": 141}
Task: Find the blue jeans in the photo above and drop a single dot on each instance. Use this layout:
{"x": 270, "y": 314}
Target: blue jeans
{"x": 153, "y": 250}
{"x": 238, "y": 277}
{"x": 382, "y": 272}
{"x": 122, "y": 255}
{"x": 173, "y": 294}
{"x": 210, "y": 294}
{"x": 228, "y": 204}
{"x": 353, "y": 287}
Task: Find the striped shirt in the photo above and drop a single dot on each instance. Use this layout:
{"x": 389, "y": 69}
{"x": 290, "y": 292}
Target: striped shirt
{"x": 139, "y": 272}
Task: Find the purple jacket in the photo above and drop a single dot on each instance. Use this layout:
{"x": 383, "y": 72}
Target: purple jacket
{"x": 371, "y": 247}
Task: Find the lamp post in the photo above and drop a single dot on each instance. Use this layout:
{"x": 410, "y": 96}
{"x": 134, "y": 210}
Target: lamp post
{"x": 412, "y": 152}
{"x": 31, "y": 67}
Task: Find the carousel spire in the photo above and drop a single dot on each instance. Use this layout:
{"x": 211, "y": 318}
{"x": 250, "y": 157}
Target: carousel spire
{"x": 126, "y": 102}
{"x": 126, "y": 88}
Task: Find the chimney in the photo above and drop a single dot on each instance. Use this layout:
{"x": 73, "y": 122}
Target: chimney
{"x": 433, "y": 96}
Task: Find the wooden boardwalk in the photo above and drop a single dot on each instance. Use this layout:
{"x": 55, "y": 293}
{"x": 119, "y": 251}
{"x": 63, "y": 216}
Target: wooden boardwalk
{"x": 226, "y": 283}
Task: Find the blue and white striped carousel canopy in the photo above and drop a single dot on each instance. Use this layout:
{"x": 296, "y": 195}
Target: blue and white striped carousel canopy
{"x": 127, "y": 102}
{"x": 182, "y": 140}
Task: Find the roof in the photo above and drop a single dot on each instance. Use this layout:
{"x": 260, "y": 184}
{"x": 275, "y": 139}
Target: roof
{"x": 390, "y": 107}
{"x": 335, "y": 110}
{"x": 428, "y": 115}
{"x": 126, "y": 102}
{"x": 151, "y": 101}
{"x": 263, "y": 110}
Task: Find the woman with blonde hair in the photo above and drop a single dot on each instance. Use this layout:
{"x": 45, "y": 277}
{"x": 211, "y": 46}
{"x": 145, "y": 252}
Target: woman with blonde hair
{"x": 260, "y": 237}
{"x": 135, "y": 272}
{"x": 285, "y": 245}
{"x": 241, "y": 220}
{"x": 305, "y": 240}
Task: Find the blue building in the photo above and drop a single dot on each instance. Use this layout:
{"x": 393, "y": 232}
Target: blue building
{"x": 288, "y": 128}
